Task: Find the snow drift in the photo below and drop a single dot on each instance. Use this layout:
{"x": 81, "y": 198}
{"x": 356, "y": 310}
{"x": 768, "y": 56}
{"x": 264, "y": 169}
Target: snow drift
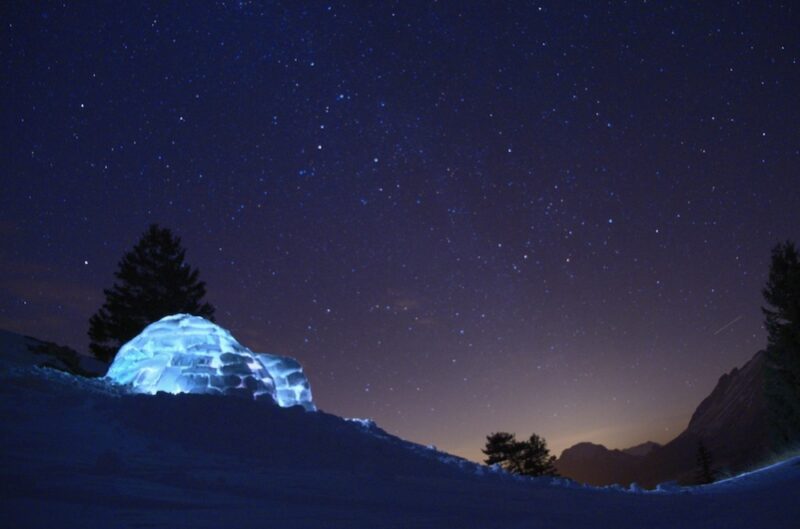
{"x": 189, "y": 354}
{"x": 87, "y": 453}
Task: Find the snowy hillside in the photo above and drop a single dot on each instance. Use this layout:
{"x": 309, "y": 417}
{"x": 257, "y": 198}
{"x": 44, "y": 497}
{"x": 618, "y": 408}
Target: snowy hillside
{"x": 19, "y": 350}
{"x": 77, "y": 452}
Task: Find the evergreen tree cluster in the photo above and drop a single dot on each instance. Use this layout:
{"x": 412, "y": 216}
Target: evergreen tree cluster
{"x": 153, "y": 281}
{"x": 528, "y": 458}
{"x": 782, "y": 293}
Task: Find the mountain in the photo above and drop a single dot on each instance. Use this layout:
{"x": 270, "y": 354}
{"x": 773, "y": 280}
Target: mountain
{"x": 735, "y": 413}
{"x": 595, "y": 464}
{"x": 642, "y": 449}
{"x": 731, "y": 423}
{"x": 85, "y": 453}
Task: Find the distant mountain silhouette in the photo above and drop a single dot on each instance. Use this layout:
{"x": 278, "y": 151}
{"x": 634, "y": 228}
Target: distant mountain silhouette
{"x": 731, "y": 422}
{"x": 642, "y": 449}
{"x": 597, "y": 465}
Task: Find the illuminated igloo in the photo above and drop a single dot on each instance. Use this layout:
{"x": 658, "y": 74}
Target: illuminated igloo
{"x": 189, "y": 354}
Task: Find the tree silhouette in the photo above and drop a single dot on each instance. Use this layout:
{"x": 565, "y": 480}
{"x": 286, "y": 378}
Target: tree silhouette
{"x": 782, "y": 293}
{"x": 705, "y": 473}
{"x": 782, "y": 320}
{"x": 529, "y": 458}
{"x": 536, "y": 458}
{"x": 153, "y": 281}
{"x": 502, "y": 448}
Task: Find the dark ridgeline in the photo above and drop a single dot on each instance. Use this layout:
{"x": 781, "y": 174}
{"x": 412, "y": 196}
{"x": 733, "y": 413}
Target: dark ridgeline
{"x": 752, "y": 414}
{"x": 597, "y": 465}
{"x": 731, "y": 422}
{"x": 153, "y": 281}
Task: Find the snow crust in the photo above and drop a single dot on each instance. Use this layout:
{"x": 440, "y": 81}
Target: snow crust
{"x": 189, "y": 354}
{"x": 86, "y": 453}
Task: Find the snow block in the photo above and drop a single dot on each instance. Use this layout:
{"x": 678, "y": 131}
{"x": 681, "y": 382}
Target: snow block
{"x": 189, "y": 354}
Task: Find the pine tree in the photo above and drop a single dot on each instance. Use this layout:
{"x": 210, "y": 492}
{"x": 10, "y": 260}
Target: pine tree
{"x": 782, "y": 377}
{"x": 536, "y": 458}
{"x": 153, "y": 281}
{"x": 529, "y": 458}
{"x": 705, "y": 472}
{"x": 502, "y": 448}
{"x": 782, "y": 293}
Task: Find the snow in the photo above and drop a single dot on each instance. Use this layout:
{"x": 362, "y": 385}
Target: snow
{"x": 88, "y": 453}
{"x": 189, "y": 354}
{"x": 20, "y": 350}
{"x": 15, "y": 349}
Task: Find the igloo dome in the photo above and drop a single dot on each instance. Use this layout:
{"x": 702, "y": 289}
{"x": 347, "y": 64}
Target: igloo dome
{"x": 189, "y": 354}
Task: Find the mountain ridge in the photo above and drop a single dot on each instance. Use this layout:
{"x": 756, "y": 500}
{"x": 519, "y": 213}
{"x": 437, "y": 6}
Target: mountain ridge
{"x": 731, "y": 422}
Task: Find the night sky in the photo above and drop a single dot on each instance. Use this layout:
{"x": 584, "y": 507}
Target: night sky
{"x": 549, "y": 217}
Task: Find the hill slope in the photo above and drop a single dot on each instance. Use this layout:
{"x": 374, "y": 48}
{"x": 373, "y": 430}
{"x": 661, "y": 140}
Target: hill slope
{"x": 731, "y": 422}
{"x": 77, "y": 452}
{"x": 20, "y": 350}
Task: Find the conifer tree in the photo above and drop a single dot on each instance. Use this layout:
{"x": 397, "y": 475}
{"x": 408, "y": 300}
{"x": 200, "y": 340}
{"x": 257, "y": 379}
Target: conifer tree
{"x": 152, "y": 281}
{"x": 536, "y": 458}
{"x": 782, "y": 293}
{"x": 529, "y": 458}
{"x": 782, "y": 320}
{"x": 705, "y": 472}
{"x": 502, "y": 448}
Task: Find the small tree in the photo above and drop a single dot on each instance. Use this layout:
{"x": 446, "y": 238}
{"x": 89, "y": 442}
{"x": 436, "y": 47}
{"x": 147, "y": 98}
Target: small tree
{"x": 529, "y": 458}
{"x": 153, "y": 281}
{"x": 782, "y": 320}
{"x": 705, "y": 473}
{"x": 536, "y": 458}
{"x": 502, "y": 448}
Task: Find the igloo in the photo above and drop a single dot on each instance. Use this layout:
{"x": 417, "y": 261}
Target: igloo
{"x": 189, "y": 354}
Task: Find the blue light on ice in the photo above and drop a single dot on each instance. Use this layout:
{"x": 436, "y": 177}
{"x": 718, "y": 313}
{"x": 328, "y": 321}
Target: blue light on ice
{"x": 189, "y": 354}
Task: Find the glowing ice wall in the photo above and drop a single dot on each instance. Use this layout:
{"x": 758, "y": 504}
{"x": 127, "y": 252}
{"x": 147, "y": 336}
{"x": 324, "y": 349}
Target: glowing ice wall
{"x": 291, "y": 385}
{"x": 189, "y": 354}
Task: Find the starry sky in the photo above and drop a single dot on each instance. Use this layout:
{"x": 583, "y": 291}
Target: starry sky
{"x": 462, "y": 217}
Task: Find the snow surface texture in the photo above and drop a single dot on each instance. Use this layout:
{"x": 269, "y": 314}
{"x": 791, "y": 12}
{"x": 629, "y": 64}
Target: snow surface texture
{"x": 189, "y": 354}
{"x": 83, "y": 453}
